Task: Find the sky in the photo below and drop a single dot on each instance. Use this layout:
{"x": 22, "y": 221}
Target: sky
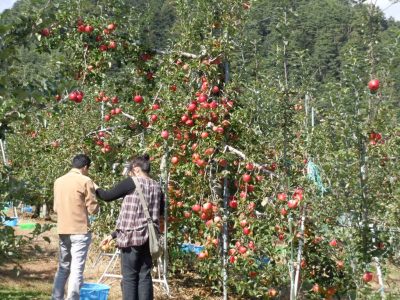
{"x": 389, "y": 10}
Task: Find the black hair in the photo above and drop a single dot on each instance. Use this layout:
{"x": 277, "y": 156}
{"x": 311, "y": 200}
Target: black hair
{"x": 80, "y": 161}
{"x": 143, "y": 162}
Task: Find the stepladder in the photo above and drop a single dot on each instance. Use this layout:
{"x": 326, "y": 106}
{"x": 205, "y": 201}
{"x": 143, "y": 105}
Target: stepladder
{"x": 111, "y": 271}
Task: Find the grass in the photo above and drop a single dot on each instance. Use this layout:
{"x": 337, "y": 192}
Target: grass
{"x": 21, "y": 294}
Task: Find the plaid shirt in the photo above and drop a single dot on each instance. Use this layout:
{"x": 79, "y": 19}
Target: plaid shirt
{"x": 132, "y": 222}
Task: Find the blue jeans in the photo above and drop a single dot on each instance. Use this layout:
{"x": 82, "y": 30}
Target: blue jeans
{"x": 137, "y": 283}
{"x": 71, "y": 264}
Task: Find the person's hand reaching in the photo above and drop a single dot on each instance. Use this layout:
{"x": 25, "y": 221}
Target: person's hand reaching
{"x": 106, "y": 243}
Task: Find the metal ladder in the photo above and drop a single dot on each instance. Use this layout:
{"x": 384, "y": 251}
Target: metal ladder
{"x": 160, "y": 275}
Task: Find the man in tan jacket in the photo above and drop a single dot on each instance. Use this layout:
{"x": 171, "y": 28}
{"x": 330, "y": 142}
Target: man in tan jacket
{"x": 74, "y": 200}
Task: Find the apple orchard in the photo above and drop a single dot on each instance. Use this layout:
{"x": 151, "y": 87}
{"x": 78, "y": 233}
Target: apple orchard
{"x": 289, "y": 185}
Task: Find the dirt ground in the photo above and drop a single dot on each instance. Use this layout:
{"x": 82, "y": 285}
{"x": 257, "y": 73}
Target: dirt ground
{"x": 39, "y": 268}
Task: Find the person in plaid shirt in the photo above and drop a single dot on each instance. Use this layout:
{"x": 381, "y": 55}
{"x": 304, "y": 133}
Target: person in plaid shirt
{"x": 131, "y": 229}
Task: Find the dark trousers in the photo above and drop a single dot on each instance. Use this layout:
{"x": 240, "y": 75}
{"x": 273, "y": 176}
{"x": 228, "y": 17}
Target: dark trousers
{"x": 136, "y": 263}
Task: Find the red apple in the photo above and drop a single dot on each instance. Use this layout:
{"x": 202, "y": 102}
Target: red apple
{"x": 184, "y": 118}
{"x": 111, "y": 26}
{"x": 112, "y": 45}
{"x": 138, "y": 99}
{"x": 333, "y": 243}
{"x": 196, "y": 207}
{"x": 189, "y": 122}
{"x": 251, "y": 206}
{"x": 303, "y": 263}
{"x": 340, "y": 264}
{"x": 204, "y": 216}
{"x": 249, "y": 167}
{"x": 164, "y": 134}
{"x": 246, "y": 231}
{"x": 293, "y": 204}
{"x": 202, "y": 255}
{"x": 107, "y": 118}
{"x": 233, "y": 204}
{"x": 246, "y": 178}
{"x": 242, "y": 249}
{"x": 174, "y": 160}
{"x": 204, "y": 134}
{"x": 81, "y": 28}
{"x": 207, "y": 206}
{"x": 213, "y": 104}
{"x": 373, "y": 85}
{"x": 272, "y": 292}
{"x": 172, "y": 88}
{"x": 215, "y": 89}
{"x": 200, "y": 162}
{"x": 209, "y": 151}
{"x": 72, "y": 96}
{"x": 192, "y": 107}
{"x": 202, "y": 98}
{"x": 103, "y": 48}
{"x": 79, "y": 96}
{"x": 89, "y": 28}
{"x": 282, "y": 197}
{"x": 367, "y": 277}
{"x": 251, "y": 245}
{"x": 45, "y": 32}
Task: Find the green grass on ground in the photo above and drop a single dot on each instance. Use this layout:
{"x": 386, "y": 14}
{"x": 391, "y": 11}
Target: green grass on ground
{"x": 21, "y": 294}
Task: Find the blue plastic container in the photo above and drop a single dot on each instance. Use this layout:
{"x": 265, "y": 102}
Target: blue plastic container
{"x": 27, "y": 209}
{"x": 94, "y": 291}
{"x": 186, "y": 247}
{"x": 263, "y": 261}
{"x": 12, "y": 222}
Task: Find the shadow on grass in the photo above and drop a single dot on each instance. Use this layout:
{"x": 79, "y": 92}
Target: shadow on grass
{"x": 6, "y": 293}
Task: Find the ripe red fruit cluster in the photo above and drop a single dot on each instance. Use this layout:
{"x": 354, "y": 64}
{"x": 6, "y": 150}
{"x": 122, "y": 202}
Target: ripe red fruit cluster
{"x": 82, "y": 27}
{"x": 102, "y": 97}
{"x": 106, "y": 148}
{"x": 116, "y": 111}
{"x": 374, "y": 138}
{"x": 76, "y": 96}
{"x": 298, "y": 194}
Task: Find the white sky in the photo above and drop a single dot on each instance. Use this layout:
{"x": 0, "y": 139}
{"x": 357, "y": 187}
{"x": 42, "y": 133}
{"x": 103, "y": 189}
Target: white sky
{"x": 389, "y": 10}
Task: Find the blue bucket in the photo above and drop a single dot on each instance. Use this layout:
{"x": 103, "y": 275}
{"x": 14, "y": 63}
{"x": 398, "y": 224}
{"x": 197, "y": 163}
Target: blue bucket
{"x": 11, "y": 222}
{"x": 94, "y": 291}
